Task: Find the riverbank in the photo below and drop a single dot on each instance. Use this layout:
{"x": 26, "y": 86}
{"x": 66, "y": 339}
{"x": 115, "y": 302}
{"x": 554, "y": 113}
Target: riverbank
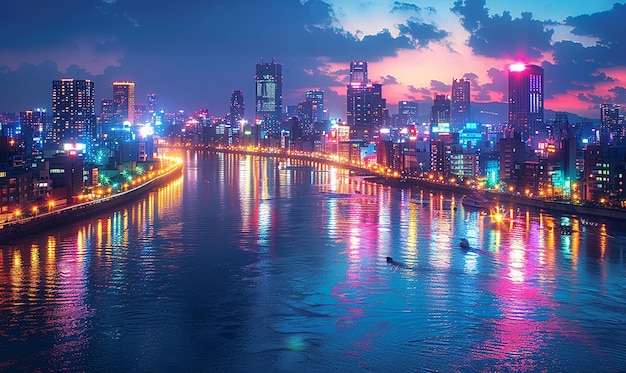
{"x": 16, "y": 230}
{"x": 548, "y": 206}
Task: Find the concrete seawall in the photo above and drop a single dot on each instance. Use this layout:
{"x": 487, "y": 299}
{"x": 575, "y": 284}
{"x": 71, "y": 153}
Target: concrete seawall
{"x": 47, "y": 221}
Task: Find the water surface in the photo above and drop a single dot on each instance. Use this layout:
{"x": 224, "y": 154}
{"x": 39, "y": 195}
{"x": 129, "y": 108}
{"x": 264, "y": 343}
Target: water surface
{"x": 252, "y": 264}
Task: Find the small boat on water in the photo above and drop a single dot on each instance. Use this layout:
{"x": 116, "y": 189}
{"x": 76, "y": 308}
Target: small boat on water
{"x": 464, "y": 244}
{"x": 475, "y": 200}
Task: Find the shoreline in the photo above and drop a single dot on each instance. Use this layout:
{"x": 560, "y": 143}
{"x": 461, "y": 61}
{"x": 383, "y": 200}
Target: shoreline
{"x": 548, "y": 206}
{"x": 10, "y": 233}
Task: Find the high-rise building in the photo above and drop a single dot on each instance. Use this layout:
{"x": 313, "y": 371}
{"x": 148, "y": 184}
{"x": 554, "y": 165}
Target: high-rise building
{"x": 269, "y": 97}
{"x": 526, "y": 99}
{"x": 358, "y": 72}
{"x": 307, "y": 112}
{"x": 407, "y": 112}
{"x": 365, "y": 110}
{"x": 460, "y": 102}
{"x": 124, "y": 101}
{"x": 73, "y": 112}
{"x": 33, "y": 123}
{"x": 316, "y": 98}
{"x": 440, "y": 112}
{"x": 236, "y": 110}
{"x": 610, "y": 128}
{"x": 151, "y": 107}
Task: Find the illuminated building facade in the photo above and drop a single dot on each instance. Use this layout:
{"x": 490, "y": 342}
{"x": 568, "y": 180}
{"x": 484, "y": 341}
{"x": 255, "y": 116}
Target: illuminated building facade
{"x": 73, "y": 112}
{"x": 124, "y": 101}
{"x": 152, "y": 102}
{"x": 526, "y": 99}
{"x": 440, "y": 110}
{"x": 365, "y": 104}
{"x": 33, "y": 123}
{"x": 460, "y": 113}
{"x": 610, "y": 127}
{"x": 407, "y": 112}
{"x": 358, "y": 72}
{"x": 236, "y": 110}
{"x": 316, "y": 98}
{"x": 269, "y": 97}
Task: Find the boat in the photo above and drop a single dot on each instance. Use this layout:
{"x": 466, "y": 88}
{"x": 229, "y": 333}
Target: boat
{"x": 464, "y": 244}
{"x": 475, "y": 200}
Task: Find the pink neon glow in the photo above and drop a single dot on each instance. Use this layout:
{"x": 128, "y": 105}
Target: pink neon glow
{"x": 517, "y": 67}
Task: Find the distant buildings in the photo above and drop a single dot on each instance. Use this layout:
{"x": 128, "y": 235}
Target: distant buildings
{"x": 73, "y": 112}
{"x": 269, "y": 97}
{"x": 460, "y": 110}
{"x": 526, "y": 99}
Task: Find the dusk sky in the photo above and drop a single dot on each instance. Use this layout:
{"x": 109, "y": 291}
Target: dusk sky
{"x": 192, "y": 54}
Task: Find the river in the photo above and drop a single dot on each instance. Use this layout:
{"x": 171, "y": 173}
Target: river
{"x": 251, "y": 264}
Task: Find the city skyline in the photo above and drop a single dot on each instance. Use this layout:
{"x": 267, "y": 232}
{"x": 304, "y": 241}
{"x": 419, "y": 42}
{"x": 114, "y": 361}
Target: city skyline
{"x": 413, "y": 49}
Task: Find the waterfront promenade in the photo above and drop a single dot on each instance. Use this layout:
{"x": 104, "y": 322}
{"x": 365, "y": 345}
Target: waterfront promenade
{"x": 25, "y": 225}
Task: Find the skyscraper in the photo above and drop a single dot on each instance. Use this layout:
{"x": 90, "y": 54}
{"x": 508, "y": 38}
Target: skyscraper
{"x": 407, "y": 112}
{"x": 441, "y": 109}
{"x": 269, "y": 97}
{"x": 460, "y": 113}
{"x": 365, "y": 104}
{"x": 526, "y": 99}
{"x": 33, "y": 123}
{"x": 151, "y": 107}
{"x": 124, "y": 101}
{"x": 610, "y": 128}
{"x": 236, "y": 110}
{"x": 316, "y": 98}
{"x": 358, "y": 72}
{"x": 73, "y": 112}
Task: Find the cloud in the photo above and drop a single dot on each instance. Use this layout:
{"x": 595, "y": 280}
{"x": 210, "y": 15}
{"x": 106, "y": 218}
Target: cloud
{"x": 178, "y": 49}
{"x": 617, "y": 95}
{"x": 575, "y": 67}
{"x": 405, "y": 7}
{"x": 441, "y": 87}
{"x": 608, "y": 27}
{"x": 388, "y": 80}
{"x": 422, "y": 33}
{"x": 620, "y": 95}
{"x": 502, "y": 36}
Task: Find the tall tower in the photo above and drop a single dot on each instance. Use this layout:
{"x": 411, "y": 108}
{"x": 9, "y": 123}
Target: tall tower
{"x": 33, "y": 123}
{"x": 610, "y": 129}
{"x": 407, "y": 112}
{"x": 316, "y": 98}
{"x": 73, "y": 112}
{"x": 151, "y": 107}
{"x": 460, "y": 113}
{"x": 526, "y": 99}
{"x": 365, "y": 104}
{"x": 358, "y": 72}
{"x": 124, "y": 101}
{"x": 441, "y": 109}
{"x": 236, "y": 110}
{"x": 269, "y": 97}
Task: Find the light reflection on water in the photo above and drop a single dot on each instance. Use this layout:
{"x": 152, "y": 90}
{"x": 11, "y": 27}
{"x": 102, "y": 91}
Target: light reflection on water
{"x": 253, "y": 264}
